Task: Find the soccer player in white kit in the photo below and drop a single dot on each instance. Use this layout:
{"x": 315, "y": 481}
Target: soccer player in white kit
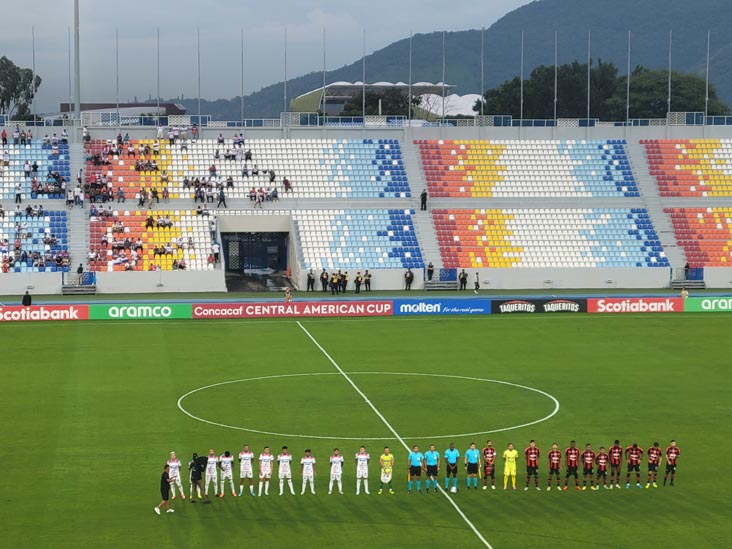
{"x": 265, "y": 470}
{"x": 226, "y": 462}
{"x": 174, "y": 464}
{"x": 307, "y": 468}
{"x": 284, "y": 461}
{"x": 362, "y": 470}
{"x": 246, "y": 469}
{"x": 336, "y": 471}
{"x": 212, "y": 464}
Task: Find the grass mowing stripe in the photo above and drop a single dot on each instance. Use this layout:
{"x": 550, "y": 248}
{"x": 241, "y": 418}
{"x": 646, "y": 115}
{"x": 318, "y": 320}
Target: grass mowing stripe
{"x": 388, "y": 426}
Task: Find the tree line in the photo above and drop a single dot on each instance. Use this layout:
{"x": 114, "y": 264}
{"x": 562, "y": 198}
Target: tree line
{"x": 608, "y": 93}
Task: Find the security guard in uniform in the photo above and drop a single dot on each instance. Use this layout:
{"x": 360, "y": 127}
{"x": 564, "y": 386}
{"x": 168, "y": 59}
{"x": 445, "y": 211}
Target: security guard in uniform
{"x": 324, "y": 278}
{"x": 358, "y": 281}
{"x": 367, "y": 280}
{"x": 311, "y": 281}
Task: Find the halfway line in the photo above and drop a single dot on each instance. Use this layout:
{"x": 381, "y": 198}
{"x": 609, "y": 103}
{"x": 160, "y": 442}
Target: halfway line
{"x": 393, "y": 431}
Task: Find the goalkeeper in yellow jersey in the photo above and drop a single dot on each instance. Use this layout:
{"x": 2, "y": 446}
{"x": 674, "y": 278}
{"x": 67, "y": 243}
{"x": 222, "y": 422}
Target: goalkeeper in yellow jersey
{"x": 386, "y": 460}
{"x": 510, "y": 456}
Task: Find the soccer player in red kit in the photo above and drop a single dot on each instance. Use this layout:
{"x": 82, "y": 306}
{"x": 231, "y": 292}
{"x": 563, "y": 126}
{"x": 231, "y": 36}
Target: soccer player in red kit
{"x": 555, "y": 462}
{"x": 616, "y": 464}
{"x": 634, "y": 456}
{"x": 572, "y": 456}
{"x": 602, "y": 459}
{"x": 672, "y": 454}
{"x": 655, "y": 456}
{"x": 532, "y": 464}
{"x": 489, "y": 465}
{"x": 588, "y": 464}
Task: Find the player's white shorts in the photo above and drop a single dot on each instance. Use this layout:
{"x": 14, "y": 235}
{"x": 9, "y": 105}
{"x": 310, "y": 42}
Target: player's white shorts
{"x": 384, "y": 477}
{"x": 227, "y": 476}
{"x": 287, "y": 475}
{"x": 246, "y": 473}
{"x": 362, "y": 473}
{"x": 308, "y": 477}
{"x": 336, "y": 476}
{"x": 265, "y": 475}
{"x": 211, "y": 477}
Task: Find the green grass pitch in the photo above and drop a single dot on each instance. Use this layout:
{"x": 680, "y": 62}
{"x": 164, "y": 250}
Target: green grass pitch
{"x": 90, "y": 414}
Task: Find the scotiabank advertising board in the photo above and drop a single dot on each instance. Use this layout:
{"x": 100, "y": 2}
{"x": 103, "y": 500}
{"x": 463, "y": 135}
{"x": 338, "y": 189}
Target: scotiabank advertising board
{"x": 44, "y": 312}
{"x": 519, "y": 306}
{"x": 294, "y": 309}
{"x": 636, "y": 305}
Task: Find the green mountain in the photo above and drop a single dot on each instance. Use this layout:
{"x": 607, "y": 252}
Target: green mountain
{"x": 609, "y": 22}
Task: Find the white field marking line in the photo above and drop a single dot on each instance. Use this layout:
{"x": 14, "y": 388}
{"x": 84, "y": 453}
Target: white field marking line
{"x": 420, "y": 374}
{"x": 393, "y": 431}
{"x": 270, "y": 433}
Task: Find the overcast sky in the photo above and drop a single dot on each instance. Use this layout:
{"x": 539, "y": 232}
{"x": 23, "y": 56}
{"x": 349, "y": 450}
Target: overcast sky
{"x": 220, "y": 23}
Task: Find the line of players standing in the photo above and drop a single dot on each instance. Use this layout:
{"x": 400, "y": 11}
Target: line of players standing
{"x": 208, "y": 467}
{"x": 595, "y": 465}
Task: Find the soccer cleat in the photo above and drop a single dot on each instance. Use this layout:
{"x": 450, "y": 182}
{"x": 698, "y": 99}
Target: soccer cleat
{"x": 611, "y": 486}
{"x": 409, "y": 491}
{"x": 526, "y": 489}
{"x": 672, "y": 483}
{"x": 493, "y": 486}
{"x": 368, "y": 493}
{"x": 391, "y": 491}
{"x": 183, "y": 496}
{"x": 538, "y": 488}
{"x": 577, "y": 488}
{"x": 514, "y": 488}
{"x": 173, "y": 496}
{"x": 485, "y": 487}
{"x": 170, "y": 511}
{"x": 617, "y": 486}
{"x": 606, "y": 487}
{"x": 253, "y": 494}
{"x": 221, "y": 495}
{"x": 648, "y": 485}
{"x": 157, "y": 511}
{"x": 565, "y": 488}
{"x": 627, "y": 486}
{"x": 428, "y": 491}
{"x": 638, "y": 485}
{"x": 584, "y": 488}
{"x": 655, "y": 485}
{"x": 548, "y": 488}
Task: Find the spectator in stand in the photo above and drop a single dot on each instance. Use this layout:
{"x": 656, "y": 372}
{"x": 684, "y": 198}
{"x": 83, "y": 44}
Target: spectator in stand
{"x": 248, "y": 155}
{"x": 4, "y": 136}
{"x": 18, "y": 191}
{"x": 194, "y": 131}
{"x": 121, "y": 195}
{"x": 220, "y": 139}
{"x": 80, "y": 272}
{"x": 222, "y": 199}
{"x": 27, "y": 169}
{"x": 286, "y": 184}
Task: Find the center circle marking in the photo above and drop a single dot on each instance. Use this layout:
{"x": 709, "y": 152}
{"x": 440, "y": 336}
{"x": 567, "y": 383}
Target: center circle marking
{"x": 414, "y": 374}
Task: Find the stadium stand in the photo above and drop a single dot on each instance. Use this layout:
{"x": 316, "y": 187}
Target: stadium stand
{"x": 484, "y": 169}
{"x": 316, "y": 168}
{"x": 352, "y": 239}
{"x": 691, "y": 167}
{"x": 123, "y": 238}
{"x": 572, "y": 238}
{"x": 34, "y": 244}
{"x": 705, "y": 234}
{"x": 50, "y": 166}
